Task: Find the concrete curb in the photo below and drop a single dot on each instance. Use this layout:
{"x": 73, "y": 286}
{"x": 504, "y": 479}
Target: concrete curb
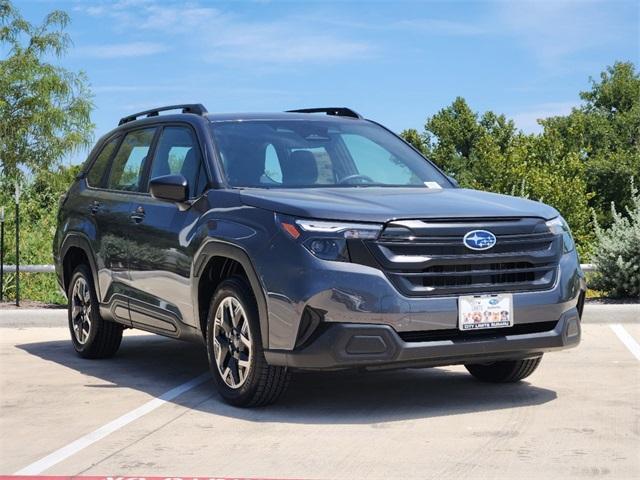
{"x": 43, "y": 317}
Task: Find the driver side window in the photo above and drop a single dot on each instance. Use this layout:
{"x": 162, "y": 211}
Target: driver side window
{"x": 178, "y": 153}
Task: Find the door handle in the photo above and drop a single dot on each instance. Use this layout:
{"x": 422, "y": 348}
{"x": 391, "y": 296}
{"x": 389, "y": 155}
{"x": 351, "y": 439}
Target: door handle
{"x": 138, "y": 214}
{"x": 94, "y": 207}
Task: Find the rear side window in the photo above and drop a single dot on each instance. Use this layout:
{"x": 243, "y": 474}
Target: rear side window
{"x": 96, "y": 172}
{"x": 178, "y": 154}
{"x": 128, "y": 164}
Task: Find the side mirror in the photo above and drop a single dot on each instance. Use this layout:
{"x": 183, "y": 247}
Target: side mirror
{"x": 454, "y": 181}
{"x": 173, "y": 188}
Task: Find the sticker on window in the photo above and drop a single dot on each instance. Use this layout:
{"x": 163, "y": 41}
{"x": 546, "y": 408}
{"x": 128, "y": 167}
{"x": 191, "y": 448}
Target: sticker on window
{"x": 434, "y": 185}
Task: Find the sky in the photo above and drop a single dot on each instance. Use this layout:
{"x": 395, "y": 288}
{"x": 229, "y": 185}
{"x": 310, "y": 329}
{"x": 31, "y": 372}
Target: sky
{"x": 395, "y": 62}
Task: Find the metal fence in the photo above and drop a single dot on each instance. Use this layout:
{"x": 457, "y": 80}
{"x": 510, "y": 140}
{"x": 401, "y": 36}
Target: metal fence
{"x": 30, "y": 268}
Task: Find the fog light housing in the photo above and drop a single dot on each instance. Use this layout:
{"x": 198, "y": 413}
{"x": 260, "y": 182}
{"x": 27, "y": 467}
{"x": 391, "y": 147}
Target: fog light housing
{"x": 327, "y": 248}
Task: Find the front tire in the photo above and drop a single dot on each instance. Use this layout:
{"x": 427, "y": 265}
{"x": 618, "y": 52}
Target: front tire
{"x": 508, "y": 371}
{"x": 234, "y": 348}
{"x": 92, "y": 336}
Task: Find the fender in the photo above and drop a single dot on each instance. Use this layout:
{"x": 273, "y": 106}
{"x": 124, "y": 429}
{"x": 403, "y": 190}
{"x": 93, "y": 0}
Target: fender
{"x": 218, "y": 248}
{"x": 80, "y": 240}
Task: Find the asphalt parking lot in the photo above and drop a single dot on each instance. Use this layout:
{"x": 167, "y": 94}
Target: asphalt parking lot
{"x": 577, "y": 416}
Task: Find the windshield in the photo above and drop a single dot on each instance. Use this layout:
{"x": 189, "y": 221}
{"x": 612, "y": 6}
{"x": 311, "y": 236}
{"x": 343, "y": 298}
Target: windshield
{"x": 319, "y": 153}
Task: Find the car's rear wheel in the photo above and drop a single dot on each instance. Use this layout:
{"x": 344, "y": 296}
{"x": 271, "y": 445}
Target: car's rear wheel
{"x": 234, "y": 348}
{"x": 92, "y": 336}
{"x": 508, "y": 371}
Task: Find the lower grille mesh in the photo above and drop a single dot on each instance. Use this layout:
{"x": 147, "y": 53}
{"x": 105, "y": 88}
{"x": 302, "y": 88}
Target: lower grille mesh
{"x": 457, "y": 335}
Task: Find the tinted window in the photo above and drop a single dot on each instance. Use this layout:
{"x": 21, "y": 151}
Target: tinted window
{"x": 272, "y": 169}
{"x": 377, "y": 163}
{"x": 178, "y": 153}
{"x": 96, "y": 172}
{"x": 126, "y": 168}
{"x": 324, "y": 167}
{"x": 319, "y": 153}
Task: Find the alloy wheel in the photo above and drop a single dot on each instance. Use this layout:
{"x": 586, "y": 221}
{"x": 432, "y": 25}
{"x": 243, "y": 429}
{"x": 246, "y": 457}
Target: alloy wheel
{"x": 81, "y": 310}
{"x": 232, "y": 342}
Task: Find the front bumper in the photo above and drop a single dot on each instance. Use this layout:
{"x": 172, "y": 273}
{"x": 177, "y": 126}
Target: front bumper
{"x": 346, "y": 345}
{"x": 349, "y": 293}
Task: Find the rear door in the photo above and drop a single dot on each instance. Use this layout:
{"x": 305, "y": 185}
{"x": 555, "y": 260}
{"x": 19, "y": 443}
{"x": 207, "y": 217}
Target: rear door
{"x": 164, "y": 235}
{"x": 112, "y": 209}
{"x": 100, "y": 208}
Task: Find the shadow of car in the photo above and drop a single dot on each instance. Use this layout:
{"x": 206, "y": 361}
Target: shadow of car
{"x": 152, "y": 364}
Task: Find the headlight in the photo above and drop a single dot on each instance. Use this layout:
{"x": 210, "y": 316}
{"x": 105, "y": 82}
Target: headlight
{"x": 326, "y": 239}
{"x": 559, "y": 226}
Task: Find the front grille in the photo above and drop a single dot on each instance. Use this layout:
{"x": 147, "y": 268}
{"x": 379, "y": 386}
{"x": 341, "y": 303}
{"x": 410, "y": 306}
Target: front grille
{"x": 424, "y": 258}
{"x": 458, "y": 335}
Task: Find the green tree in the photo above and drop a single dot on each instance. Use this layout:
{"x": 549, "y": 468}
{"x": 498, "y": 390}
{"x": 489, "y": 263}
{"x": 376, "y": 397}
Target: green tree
{"x": 605, "y": 132}
{"x": 44, "y": 108}
{"x": 413, "y": 137}
{"x": 487, "y": 152}
{"x": 44, "y": 115}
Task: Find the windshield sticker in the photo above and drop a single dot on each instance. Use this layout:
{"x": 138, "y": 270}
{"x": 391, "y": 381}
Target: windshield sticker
{"x": 432, "y": 185}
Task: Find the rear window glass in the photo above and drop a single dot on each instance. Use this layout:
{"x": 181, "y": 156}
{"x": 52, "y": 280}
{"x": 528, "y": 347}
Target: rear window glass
{"x": 126, "y": 168}
{"x": 96, "y": 172}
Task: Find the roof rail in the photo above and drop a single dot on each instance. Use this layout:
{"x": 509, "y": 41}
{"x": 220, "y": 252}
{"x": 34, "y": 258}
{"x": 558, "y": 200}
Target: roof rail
{"x": 195, "y": 108}
{"x": 337, "y": 111}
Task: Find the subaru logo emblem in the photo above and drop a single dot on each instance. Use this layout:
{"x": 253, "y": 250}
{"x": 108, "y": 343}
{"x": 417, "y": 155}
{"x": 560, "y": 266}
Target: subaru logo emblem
{"x": 479, "y": 240}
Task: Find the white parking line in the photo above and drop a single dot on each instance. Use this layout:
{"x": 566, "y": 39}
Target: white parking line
{"x": 627, "y": 339}
{"x": 65, "y": 452}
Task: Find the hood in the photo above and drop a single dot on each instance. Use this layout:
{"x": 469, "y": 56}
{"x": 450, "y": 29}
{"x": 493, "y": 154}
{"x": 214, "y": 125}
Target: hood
{"x": 380, "y": 205}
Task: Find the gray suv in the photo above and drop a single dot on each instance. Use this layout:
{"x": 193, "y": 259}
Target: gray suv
{"x": 312, "y": 239}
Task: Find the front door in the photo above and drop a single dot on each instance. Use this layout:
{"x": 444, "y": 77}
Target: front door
{"x": 164, "y": 236}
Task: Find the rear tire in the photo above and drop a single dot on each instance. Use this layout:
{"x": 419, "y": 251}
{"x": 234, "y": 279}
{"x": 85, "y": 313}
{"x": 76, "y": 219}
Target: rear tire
{"x": 234, "y": 348}
{"x": 508, "y": 371}
{"x": 92, "y": 336}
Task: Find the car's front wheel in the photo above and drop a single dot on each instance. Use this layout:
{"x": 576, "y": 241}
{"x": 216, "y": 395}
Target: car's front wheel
{"x": 234, "y": 348}
{"x": 508, "y": 371}
{"x": 92, "y": 336}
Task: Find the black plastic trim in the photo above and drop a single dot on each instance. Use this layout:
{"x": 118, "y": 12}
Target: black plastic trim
{"x": 335, "y": 111}
{"x": 331, "y": 350}
{"x": 194, "y": 108}
{"x": 217, "y": 248}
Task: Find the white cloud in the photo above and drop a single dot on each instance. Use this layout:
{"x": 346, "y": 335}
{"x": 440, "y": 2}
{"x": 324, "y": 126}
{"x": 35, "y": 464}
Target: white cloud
{"x": 553, "y": 30}
{"x": 442, "y": 27}
{"x": 136, "y": 88}
{"x": 219, "y": 36}
{"x": 120, "y": 50}
{"x": 426, "y": 25}
{"x": 527, "y": 120}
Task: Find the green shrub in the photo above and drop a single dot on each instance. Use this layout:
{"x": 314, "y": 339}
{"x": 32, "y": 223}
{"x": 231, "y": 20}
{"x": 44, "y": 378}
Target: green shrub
{"x": 617, "y": 252}
{"x": 38, "y": 218}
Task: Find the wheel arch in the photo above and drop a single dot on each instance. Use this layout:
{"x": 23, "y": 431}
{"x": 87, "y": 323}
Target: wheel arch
{"x": 216, "y": 261}
{"x": 76, "y": 249}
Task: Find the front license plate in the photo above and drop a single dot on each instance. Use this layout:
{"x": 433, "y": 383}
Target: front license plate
{"x": 477, "y": 312}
